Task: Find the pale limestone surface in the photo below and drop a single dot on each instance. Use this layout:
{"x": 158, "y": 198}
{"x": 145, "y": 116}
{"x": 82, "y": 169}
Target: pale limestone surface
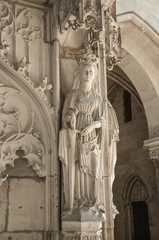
{"x": 80, "y": 147}
{"x": 20, "y": 236}
{"x": 148, "y": 10}
{"x": 132, "y": 160}
{"x": 140, "y": 64}
{"x": 3, "y": 205}
{"x": 26, "y": 205}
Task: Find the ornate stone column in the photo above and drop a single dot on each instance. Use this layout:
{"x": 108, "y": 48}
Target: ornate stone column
{"x": 98, "y": 19}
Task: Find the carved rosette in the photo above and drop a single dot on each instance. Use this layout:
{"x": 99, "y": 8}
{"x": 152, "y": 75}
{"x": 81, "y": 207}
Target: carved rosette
{"x": 18, "y": 139}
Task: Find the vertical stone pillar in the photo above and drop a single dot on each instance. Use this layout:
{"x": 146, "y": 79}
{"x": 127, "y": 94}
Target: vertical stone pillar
{"x": 128, "y": 217}
{"x": 153, "y": 147}
{"x": 108, "y": 225}
{"x": 53, "y": 189}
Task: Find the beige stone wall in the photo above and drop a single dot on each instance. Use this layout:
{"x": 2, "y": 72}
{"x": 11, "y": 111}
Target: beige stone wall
{"x": 22, "y": 204}
{"x": 132, "y": 159}
{"x": 148, "y": 10}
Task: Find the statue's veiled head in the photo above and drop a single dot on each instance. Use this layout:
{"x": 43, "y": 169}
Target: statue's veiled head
{"x": 85, "y": 73}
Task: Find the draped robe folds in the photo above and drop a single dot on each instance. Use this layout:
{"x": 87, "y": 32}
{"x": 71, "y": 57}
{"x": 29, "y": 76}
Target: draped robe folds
{"x": 81, "y": 156}
{"x": 113, "y": 139}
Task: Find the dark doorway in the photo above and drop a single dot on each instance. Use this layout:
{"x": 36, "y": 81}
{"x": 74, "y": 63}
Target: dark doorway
{"x": 141, "y": 221}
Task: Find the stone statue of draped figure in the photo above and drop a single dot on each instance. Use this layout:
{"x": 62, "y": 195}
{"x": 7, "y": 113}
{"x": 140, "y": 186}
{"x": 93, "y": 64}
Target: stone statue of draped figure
{"x": 81, "y": 142}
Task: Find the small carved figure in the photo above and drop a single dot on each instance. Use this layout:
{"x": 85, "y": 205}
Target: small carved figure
{"x": 4, "y": 50}
{"x": 23, "y": 67}
{"x": 43, "y": 89}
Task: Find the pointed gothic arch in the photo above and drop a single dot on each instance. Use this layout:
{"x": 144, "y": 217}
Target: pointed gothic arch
{"x": 11, "y": 80}
{"x": 134, "y": 191}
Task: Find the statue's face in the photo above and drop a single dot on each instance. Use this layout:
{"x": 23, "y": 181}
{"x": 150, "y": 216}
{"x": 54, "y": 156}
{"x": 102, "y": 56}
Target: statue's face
{"x": 87, "y": 74}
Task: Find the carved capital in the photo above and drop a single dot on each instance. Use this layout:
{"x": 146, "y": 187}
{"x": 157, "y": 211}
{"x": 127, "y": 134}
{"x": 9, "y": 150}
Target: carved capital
{"x": 152, "y": 145}
{"x": 154, "y": 153}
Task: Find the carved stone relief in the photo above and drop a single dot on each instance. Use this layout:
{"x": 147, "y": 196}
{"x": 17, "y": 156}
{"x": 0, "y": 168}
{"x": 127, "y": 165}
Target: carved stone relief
{"x": 80, "y": 146}
{"x": 113, "y": 42}
{"x": 80, "y": 14}
{"x": 18, "y": 139}
{"x": 154, "y": 153}
{"x": 21, "y": 30}
{"x": 43, "y": 89}
{"x": 28, "y": 25}
{"x": 138, "y": 192}
{"x": 90, "y": 15}
{"x": 6, "y": 18}
{"x": 4, "y": 51}
{"x": 23, "y": 67}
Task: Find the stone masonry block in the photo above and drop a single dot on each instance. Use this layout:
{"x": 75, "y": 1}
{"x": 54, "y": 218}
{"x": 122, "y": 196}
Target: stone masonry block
{"x": 21, "y": 236}
{"x": 3, "y": 205}
{"x": 26, "y": 205}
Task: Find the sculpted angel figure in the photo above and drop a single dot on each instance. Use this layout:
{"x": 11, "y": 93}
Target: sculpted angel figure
{"x": 81, "y": 140}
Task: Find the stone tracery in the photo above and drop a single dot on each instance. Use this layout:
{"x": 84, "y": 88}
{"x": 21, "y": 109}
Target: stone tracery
{"x": 17, "y": 135}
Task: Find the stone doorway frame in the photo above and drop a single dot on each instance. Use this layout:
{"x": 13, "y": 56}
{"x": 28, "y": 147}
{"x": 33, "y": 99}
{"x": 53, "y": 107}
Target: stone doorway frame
{"x": 134, "y": 191}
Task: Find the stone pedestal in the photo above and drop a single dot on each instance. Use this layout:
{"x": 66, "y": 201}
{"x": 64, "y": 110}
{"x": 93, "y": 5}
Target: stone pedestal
{"x": 83, "y": 224}
{"x": 81, "y": 230}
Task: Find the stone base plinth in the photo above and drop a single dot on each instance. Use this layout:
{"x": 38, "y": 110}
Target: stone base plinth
{"x": 81, "y": 230}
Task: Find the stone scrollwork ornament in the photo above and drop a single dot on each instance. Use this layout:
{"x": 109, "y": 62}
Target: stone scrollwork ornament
{"x": 17, "y": 136}
{"x": 6, "y": 18}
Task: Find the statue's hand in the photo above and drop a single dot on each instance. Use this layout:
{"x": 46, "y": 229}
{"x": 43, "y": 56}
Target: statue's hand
{"x": 90, "y": 127}
{"x": 71, "y": 117}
